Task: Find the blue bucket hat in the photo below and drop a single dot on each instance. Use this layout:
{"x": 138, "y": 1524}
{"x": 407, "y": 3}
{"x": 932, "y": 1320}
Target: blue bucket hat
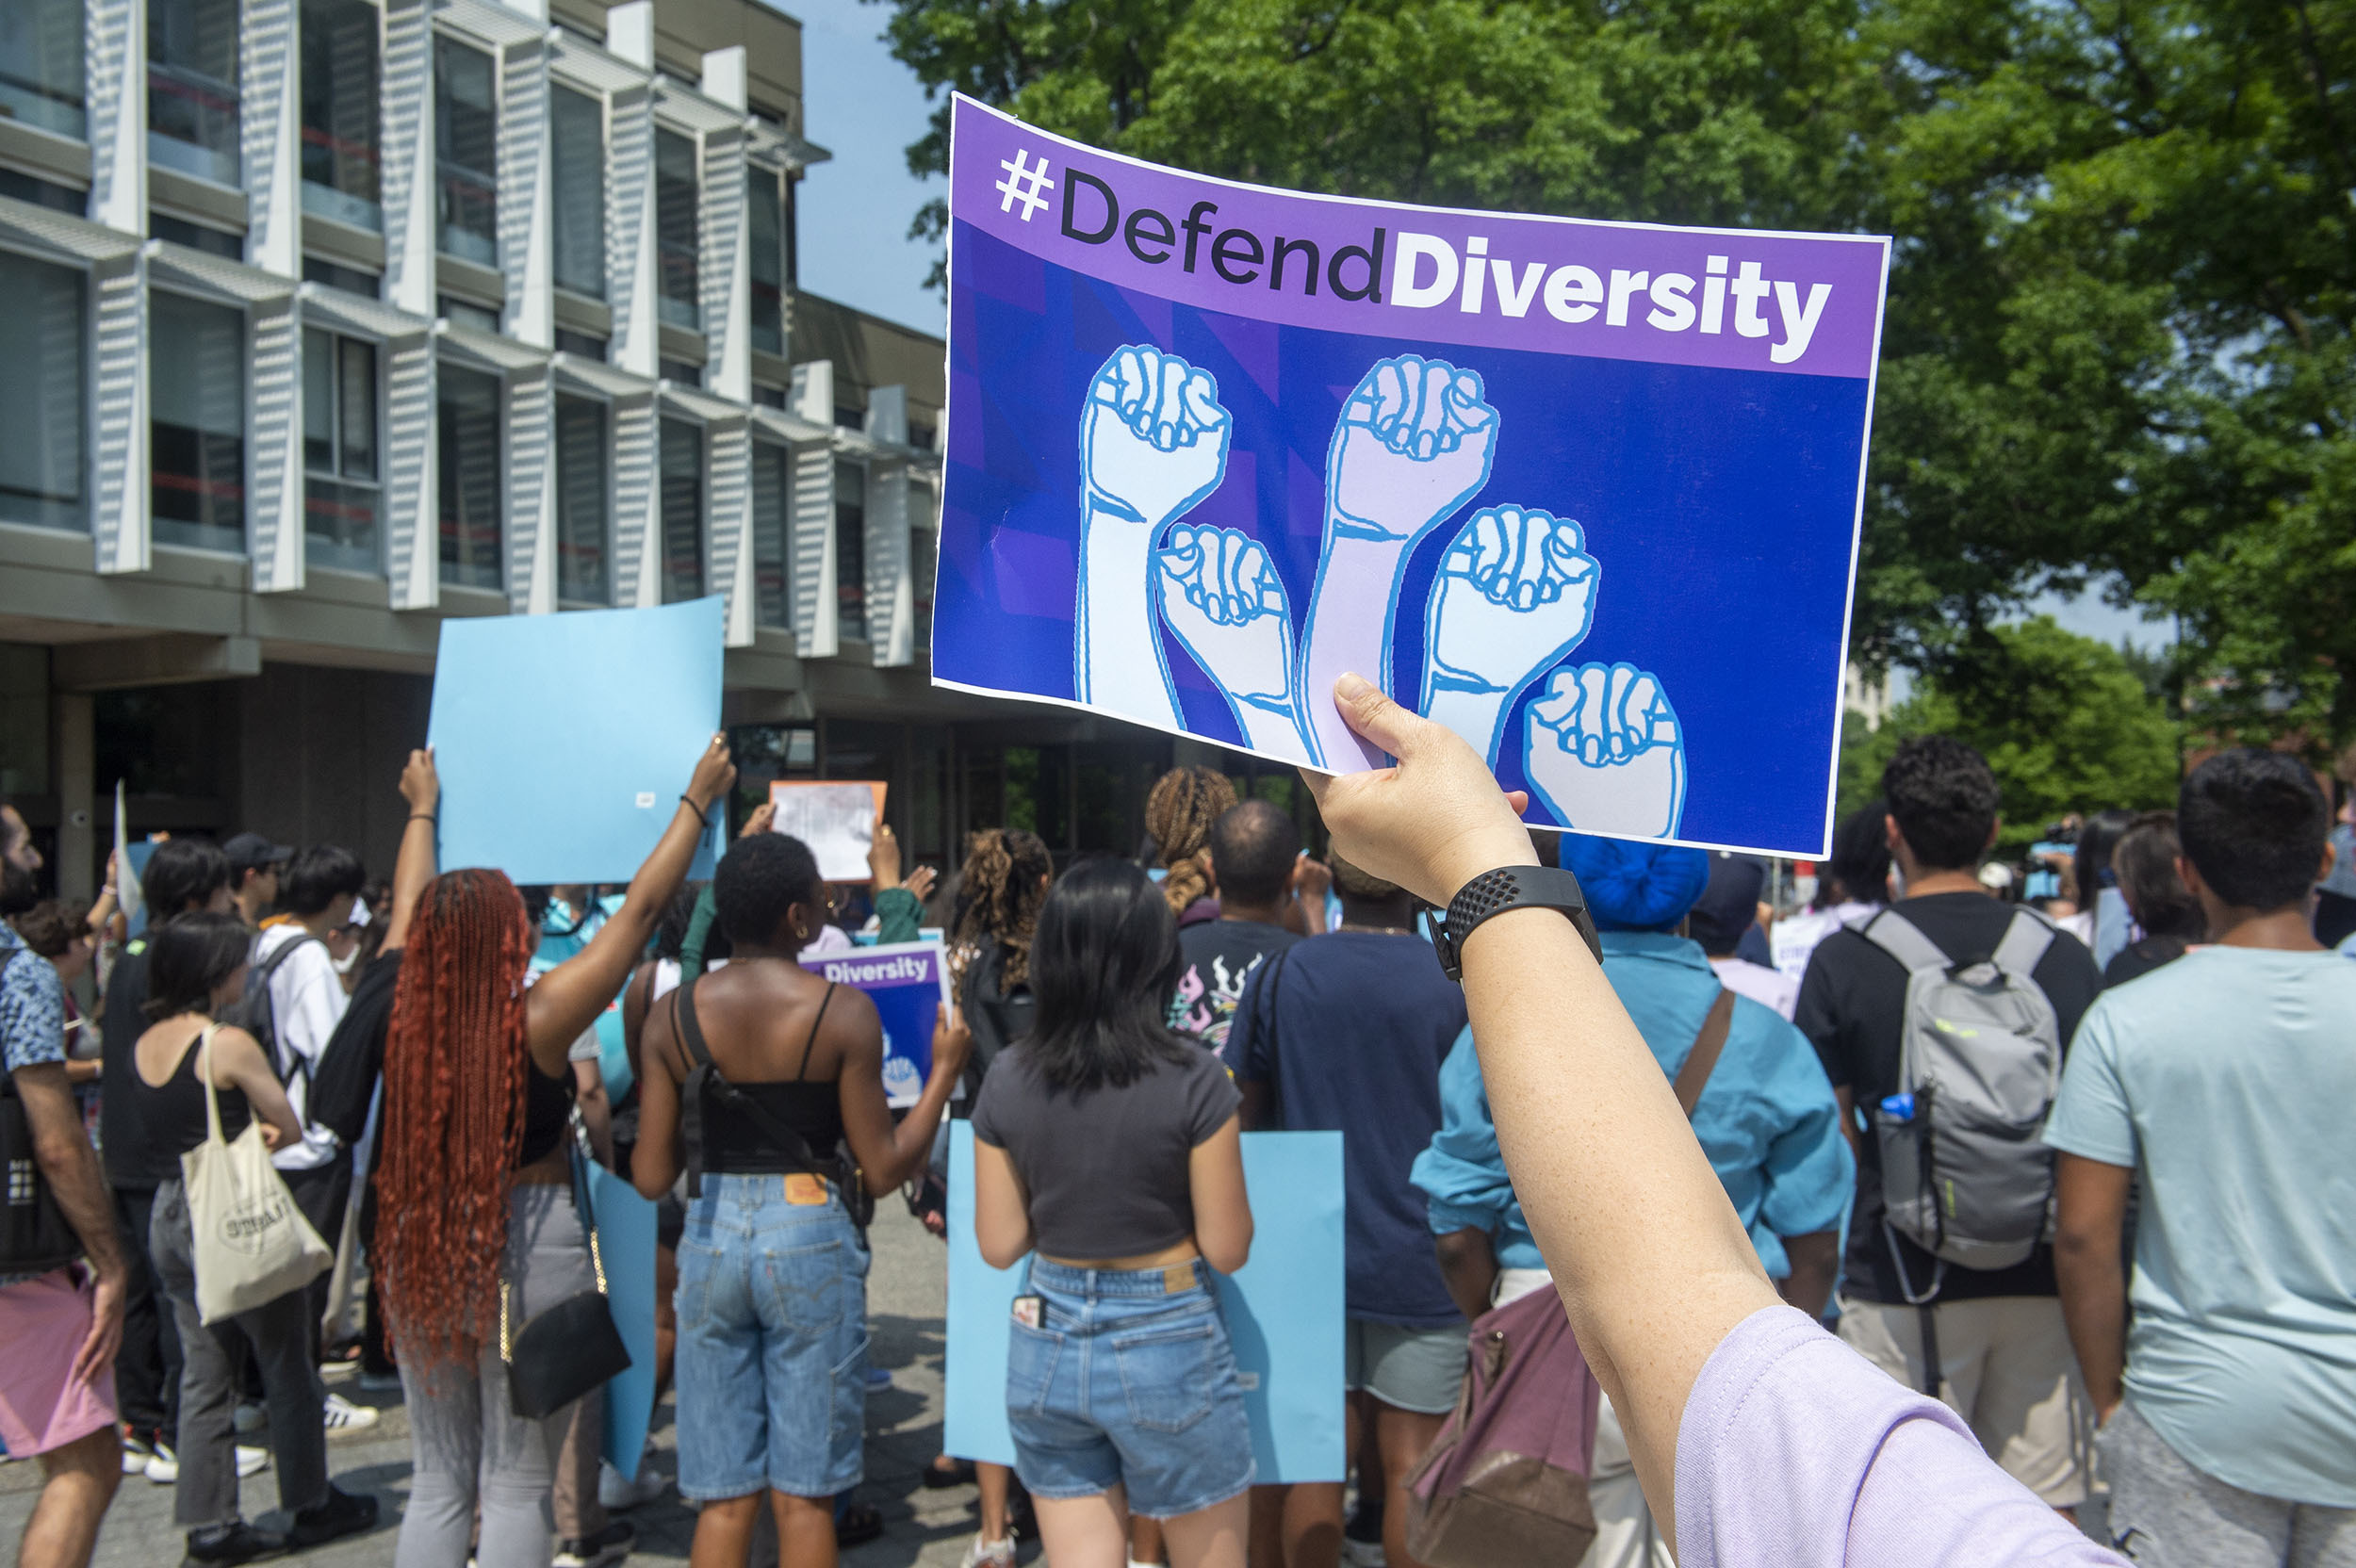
{"x": 1635, "y": 887}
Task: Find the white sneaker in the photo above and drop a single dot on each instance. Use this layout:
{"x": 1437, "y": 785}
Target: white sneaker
{"x": 619, "y": 1496}
{"x": 990, "y": 1554}
{"x": 163, "y": 1466}
{"x": 342, "y": 1415}
{"x": 249, "y": 1419}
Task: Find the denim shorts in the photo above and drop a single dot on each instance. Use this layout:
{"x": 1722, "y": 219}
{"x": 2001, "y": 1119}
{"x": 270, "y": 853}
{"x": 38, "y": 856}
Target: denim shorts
{"x": 772, "y": 1343}
{"x": 1129, "y": 1381}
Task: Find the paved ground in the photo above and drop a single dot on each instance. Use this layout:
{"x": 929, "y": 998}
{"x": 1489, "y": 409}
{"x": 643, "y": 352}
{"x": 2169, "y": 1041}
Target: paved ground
{"x": 931, "y": 1529}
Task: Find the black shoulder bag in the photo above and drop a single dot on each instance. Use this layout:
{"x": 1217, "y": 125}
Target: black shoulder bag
{"x": 35, "y": 1235}
{"x": 704, "y": 1076}
{"x": 573, "y": 1346}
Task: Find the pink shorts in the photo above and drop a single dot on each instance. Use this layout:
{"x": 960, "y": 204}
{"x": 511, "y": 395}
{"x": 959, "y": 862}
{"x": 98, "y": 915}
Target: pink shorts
{"x": 42, "y": 1324}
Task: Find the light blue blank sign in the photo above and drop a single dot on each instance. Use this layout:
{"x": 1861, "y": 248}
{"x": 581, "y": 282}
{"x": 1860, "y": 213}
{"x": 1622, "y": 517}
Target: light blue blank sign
{"x": 563, "y": 740}
{"x": 1284, "y": 1311}
{"x": 626, "y": 1236}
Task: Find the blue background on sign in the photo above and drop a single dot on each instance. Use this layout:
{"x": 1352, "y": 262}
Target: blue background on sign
{"x": 1720, "y": 503}
{"x": 1284, "y": 1311}
{"x": 626, "y": 1228}
{"x": 907, "y": 1010}
{"x": 546, "y": 728}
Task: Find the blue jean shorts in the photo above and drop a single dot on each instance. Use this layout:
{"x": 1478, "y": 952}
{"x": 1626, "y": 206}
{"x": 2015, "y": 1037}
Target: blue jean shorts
{"x": 1129, "y": 1381}
{"x": 772, "y": 1364}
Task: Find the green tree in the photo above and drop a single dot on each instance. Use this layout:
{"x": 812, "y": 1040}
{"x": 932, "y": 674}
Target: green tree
{"x": 2066, "y": 723}
{"x": 2118, "y": 346}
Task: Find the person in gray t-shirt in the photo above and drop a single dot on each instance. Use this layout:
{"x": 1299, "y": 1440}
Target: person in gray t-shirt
{"x": 1112, "y": 1149}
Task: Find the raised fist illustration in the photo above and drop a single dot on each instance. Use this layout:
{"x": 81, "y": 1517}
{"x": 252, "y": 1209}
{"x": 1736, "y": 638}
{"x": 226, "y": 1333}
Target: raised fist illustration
{"x": 1515, "y": 593}
{"x": 1221, "y": 593}
{"x": 1153, "y": 435}
{"x": 1605, "y": 753}
{"x": 1414, "y": 444}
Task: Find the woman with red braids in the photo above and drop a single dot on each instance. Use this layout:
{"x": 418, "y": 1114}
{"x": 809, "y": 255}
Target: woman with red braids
{"x": 475, "y": 1185}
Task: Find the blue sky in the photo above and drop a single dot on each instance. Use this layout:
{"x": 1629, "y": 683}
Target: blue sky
{"x": 865, "y": 107}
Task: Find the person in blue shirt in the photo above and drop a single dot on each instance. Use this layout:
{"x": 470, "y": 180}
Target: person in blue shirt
{"x": 2219, "y": 1088}
{"x": 1766, "y": 1118}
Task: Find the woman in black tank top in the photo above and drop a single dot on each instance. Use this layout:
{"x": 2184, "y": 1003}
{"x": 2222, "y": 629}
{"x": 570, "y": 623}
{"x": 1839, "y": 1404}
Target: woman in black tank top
{"x": 196, "y": 968}
{"x": 765, "y": 1083}
{"x": 474, "y": 1187}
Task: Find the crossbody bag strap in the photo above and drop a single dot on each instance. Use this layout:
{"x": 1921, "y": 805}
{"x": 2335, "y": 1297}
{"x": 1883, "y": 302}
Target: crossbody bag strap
{"x": 708, "y": 1071}
{"x": 1703, "y": 1059}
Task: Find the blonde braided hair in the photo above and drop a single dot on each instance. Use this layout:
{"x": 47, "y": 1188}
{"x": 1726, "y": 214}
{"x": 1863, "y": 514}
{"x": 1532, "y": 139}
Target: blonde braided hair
{"x": 1179, "y": 813}
{"x": 998, "y": 892}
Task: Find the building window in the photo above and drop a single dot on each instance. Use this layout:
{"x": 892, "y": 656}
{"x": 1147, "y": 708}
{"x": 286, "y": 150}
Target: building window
{"x": 42, "y": 452}
{"x": 465, "y": 313}
{"x": 40, "y": 65}
{"x": 680, "y": 370}
{"x": 339, "y": 98}
{"x": 576, "y": 177}
{"x": 56, "y": 198}
{"x": 196, "y": 236}
{"x": 340, "y": 501}
{"x": 767, "y": 395}
{"x": 677, "y": 225}
{"x": 466, "y": 146}
{"x": 768, "y": 262}
{"x": 582, "y": 574}
{"x": 350, "y": 279}
{"x": 773, "y": 489}
{"x": 682, "y": 466}
{"x": 850, "y": 550}
{"x": 196, "y": 431}
{"x": 466, "y": 420}
{"x": 192, "y": 88}
{"x": 924, "y": 563}
{"x": 580, "y": 344}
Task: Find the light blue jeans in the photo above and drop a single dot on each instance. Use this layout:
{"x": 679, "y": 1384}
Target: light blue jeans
{"x": 1129, "y": 1379}
{"x": 772, "y": 1343}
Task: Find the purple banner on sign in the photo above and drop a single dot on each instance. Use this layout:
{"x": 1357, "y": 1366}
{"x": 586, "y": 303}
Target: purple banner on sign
{"x": 907, "y": 982}
{"x": 1743, "y": 299}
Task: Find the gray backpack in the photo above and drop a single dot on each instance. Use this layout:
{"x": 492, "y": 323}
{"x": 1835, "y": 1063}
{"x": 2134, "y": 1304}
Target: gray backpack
{"x": 1964, "y": 1172}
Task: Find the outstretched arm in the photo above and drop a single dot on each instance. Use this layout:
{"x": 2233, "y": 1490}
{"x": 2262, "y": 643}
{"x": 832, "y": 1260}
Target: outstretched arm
{"x": 1653, "y": 1266}
{"x": 1414, "y": 442}
{"x": 1152, "y": 443}
{"x": 422, "y": 787}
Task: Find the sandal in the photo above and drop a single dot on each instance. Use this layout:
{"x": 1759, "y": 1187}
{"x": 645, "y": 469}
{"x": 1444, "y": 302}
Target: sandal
{"x": 858, "y": 1524}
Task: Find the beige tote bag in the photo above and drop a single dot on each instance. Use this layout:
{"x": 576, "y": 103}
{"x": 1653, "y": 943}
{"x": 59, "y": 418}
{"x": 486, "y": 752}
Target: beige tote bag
{"x": 251, "y": 1244}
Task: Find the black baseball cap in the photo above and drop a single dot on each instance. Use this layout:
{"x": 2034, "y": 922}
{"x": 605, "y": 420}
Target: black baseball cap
{"x": 1729, "y": 903}
{"x": 251, "y": 851}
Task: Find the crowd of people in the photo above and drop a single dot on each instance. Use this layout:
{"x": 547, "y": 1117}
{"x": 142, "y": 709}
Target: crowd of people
{"x": 2050, "y": 1163}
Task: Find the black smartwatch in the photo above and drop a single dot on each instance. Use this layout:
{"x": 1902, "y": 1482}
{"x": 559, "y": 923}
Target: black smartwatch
{"x": 1492, "y": 893}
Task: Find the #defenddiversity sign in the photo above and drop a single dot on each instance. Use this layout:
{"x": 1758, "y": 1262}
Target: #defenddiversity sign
{"x": 1587, "y": 492}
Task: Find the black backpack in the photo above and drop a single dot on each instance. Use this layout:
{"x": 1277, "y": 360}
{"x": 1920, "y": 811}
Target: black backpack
{"x": 35, "y": 1236}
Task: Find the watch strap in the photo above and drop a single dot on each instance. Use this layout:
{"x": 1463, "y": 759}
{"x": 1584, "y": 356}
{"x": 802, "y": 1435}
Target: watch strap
{"x": 1492, "y": 893}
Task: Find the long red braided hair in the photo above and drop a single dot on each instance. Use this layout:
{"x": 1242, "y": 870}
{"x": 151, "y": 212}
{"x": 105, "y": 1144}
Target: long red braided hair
{"x": 454, "y": 1063}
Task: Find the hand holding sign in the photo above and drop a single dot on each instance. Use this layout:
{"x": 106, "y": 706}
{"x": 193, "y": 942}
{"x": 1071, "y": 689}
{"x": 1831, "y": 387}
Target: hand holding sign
{"x": 1515, "y": 593}
{"x": 1222, "y": 597}
{"x": 1606, "y": 754}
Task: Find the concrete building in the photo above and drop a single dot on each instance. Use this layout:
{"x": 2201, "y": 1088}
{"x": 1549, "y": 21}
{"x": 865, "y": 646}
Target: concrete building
{"x": 324, "y": 320}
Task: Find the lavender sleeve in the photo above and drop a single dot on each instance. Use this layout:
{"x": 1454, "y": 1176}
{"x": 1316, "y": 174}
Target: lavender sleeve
{"x": 1794, "y": 1450}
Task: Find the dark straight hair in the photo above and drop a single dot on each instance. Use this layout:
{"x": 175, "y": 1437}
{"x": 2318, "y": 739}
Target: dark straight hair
{"x": 187, "y": 957}
{"x": 1104, "y": 964}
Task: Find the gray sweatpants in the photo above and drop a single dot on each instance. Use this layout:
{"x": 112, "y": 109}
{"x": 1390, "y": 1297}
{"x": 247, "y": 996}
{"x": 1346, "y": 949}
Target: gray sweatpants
{"x": 465, "y": 1441}
{"x": 210, "y": 1357}
{"x": 2170, "y": 1514}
